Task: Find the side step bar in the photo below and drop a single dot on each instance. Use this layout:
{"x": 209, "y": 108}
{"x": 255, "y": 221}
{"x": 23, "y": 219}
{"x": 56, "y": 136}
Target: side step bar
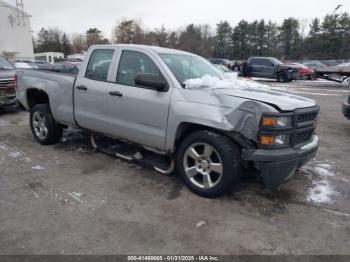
{"x": 132, "y": 159}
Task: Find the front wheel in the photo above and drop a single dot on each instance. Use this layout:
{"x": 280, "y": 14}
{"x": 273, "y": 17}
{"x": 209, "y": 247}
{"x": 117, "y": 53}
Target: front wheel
{"x": 209, "y": 163}
{"x": 282, "y": 77}
{"x": 44, "y": 128}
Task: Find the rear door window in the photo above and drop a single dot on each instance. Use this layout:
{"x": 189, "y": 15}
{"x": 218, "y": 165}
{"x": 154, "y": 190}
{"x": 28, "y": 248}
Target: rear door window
{"x": 99, "y": 64}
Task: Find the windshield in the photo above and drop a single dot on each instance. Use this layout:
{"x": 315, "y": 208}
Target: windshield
{"x": 276, "y": 61}
{"x": 186, "y": 67}
{"x": 5, "y": 65}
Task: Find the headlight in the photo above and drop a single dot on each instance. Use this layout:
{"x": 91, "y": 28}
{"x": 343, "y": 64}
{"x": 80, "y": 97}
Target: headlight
{"x": 274, "y": 140}
{"x": 277, "y": 121}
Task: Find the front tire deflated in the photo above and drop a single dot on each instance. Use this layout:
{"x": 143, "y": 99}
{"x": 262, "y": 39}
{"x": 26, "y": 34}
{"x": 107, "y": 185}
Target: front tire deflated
{"x": 209, "y": 163}
{"x": 44, "y": 128}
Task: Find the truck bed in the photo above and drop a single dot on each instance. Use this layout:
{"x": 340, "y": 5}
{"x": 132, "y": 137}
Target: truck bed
{"x": 57, "y": 85}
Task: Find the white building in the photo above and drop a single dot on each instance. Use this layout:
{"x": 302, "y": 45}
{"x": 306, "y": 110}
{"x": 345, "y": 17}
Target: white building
{"x": 15, "y": 32}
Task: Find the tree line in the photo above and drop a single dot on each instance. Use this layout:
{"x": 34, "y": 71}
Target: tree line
{"x": 326, "y": 38}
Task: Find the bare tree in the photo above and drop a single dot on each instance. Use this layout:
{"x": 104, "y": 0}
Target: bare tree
{"x": 79, "y": 43}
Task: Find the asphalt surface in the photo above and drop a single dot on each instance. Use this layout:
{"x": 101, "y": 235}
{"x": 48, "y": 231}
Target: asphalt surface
{"x": 68, "y": 199}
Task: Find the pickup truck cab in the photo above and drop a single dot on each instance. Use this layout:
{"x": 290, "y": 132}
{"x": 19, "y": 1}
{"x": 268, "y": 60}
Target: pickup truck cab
{"x": 178, "y": 105}
{"x": 8, "y": 82}
{"x": 270, "y": 67}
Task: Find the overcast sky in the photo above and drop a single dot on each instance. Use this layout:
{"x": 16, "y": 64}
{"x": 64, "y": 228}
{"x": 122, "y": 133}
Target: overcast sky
{"x": 79, "y": 15}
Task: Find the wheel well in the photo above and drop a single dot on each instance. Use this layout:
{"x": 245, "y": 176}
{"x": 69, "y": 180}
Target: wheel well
{"x": 185, "y": 129}
{"x": 35, "y": 97}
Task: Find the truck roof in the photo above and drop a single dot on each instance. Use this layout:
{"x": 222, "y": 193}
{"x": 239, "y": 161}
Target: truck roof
{"x": 156, "y": 49}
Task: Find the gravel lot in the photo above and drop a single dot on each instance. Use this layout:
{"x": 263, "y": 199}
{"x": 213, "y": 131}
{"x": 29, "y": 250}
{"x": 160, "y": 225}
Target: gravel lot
{"x": 68, "y": 199}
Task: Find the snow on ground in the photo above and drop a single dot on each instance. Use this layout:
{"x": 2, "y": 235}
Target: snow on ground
{"x": 76, "y": 196}
{"x": 322, "y": 190}
{"x": 7, "y": 151}
{"x": 38, "y": 168}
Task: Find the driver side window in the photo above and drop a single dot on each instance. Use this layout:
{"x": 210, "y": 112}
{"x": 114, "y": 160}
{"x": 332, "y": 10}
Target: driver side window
{"x": 133, "y": 63}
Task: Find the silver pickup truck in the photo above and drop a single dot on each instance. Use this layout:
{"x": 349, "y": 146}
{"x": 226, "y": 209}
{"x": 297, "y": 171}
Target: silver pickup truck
{"x": 210, "y": 126}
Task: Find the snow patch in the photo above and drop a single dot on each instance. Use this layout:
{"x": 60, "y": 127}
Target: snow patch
{"x": 322, "y": 192}
{"x": 38, "y": 168}
{"x": 7, "y": 151}
{"x": 229, "y": 80}
{"x": 201, "y": 223}
{"x": 76, "y": 196}
{"x": 323, "y": 172}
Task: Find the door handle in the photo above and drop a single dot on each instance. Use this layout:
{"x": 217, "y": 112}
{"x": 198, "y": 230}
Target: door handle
{"x": 115, "y": 93}
{"x": 84, "y": 88}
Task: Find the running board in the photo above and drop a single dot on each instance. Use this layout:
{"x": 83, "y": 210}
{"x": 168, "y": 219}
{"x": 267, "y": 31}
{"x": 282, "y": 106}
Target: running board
{"x": 132, "y": 159}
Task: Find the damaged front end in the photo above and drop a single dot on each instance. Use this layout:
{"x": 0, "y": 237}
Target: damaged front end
{"x": 286, "y": 142}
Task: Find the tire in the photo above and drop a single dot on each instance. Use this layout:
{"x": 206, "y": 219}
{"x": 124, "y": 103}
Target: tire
{"x": 203, "y": 175}
{"x": 44, "y": 128}
{"x": 282, "y": 77}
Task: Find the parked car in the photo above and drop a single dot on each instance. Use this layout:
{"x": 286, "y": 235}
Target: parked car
{"x": 25, "y": 65}
{"x": 220, "y": 61}
{"x": 222, "y": 68}
{"x": 344, "y": 64}
{"x": 270, "y": 67}
{"x": 8, "y": 82}
{"x": 38, "y": 64}
{"x": 71, "y": 68}
{"x": 305, "y": 73}
{"x": 314, "y": 64}
{"x": 42, "y": 64}
{"x": 208, "y": 127}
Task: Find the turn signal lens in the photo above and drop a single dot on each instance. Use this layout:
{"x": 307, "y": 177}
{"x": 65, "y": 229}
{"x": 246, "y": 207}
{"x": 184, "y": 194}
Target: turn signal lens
{"x": 267, "y": 140}
{"x": 279, "y": 140}
{"x": 269, "y": 121}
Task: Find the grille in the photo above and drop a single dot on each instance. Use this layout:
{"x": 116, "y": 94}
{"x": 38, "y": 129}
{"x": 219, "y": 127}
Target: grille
{"x": 7, "y": 88}
{"x": 307, "y": 117}
{"x": 7, "y": 84}
{"x": 303, "y": 137}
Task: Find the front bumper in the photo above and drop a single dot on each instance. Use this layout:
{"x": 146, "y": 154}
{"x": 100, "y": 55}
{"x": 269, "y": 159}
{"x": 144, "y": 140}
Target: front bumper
{"x": 278, "y": 165}
{"x": 346, "y": 108}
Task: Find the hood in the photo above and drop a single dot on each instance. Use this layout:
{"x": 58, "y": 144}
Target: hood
{"x": 230, "y": 85}
{"x": 284, "y": 101}
{"x": 4, "y": 74}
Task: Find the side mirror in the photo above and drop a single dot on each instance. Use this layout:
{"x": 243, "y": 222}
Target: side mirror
{"x": 152, "y": 81}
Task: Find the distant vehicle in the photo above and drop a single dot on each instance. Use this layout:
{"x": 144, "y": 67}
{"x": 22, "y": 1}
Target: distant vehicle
{"x": 143, "y": 95}
{"x": 35, "y": 63}
{"x": 314, "y": 64}
{"x": 305, "y": 73}
{"x": 42, "y": 64}
{"x": 220, "y": 61}
{"x": 8, "y": 83}
{"x": 25, "y": 65}
{"x": 222, "y": 68}
{"x": 344, "y": 64}
{"x": 270, "y": 67}
{"x": 50, "y": 57}
{"x": 71, "y": 68}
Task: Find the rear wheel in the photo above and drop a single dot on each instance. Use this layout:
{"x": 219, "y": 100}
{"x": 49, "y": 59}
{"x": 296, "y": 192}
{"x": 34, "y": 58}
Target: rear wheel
{"x": 209, "y": 163}
{"x": 44, "y": 128}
